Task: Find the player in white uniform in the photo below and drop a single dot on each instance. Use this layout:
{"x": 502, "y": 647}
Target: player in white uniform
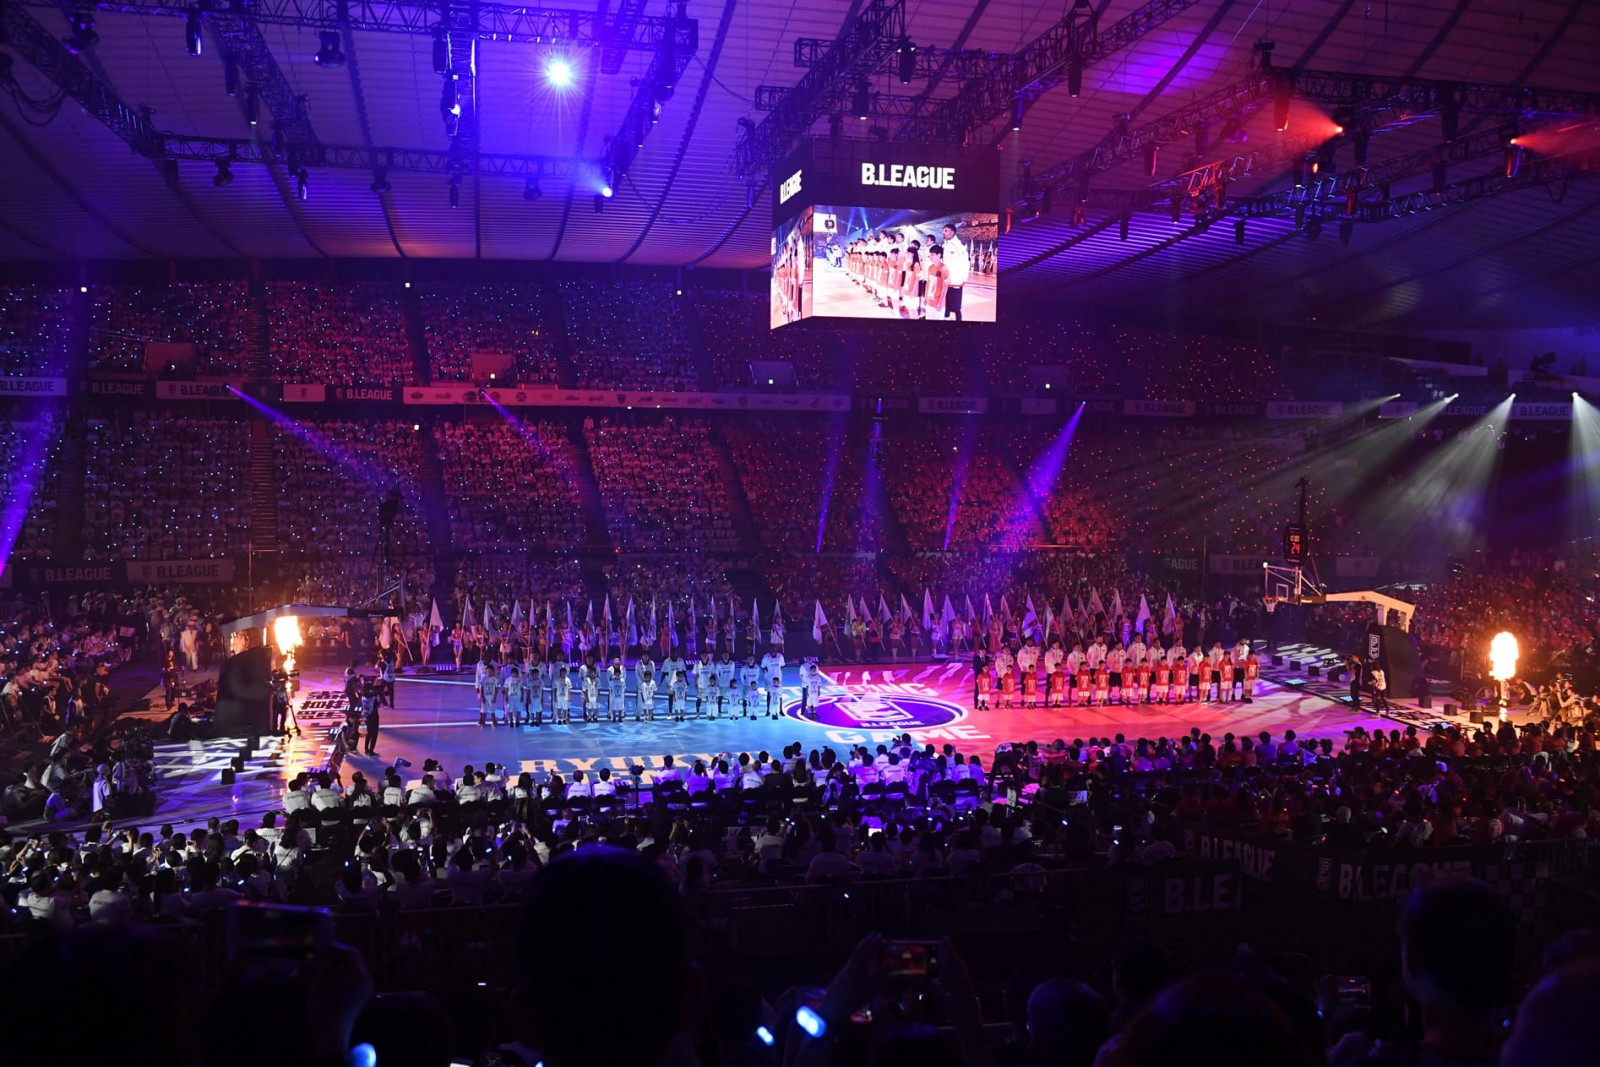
{"x": 480, "y": 683}
{"x": 772, "y": 668}
{"x": 646, "y": 671}
{"x": 680, "y": 694}
{"x": 562, "y": 695}
{"x": 704, "y": 688}
{"x": 516, "y": 699}
{"x": 750, "y": 675}
{"x": 617, "y": 697}
{"x": 591, "y": 693}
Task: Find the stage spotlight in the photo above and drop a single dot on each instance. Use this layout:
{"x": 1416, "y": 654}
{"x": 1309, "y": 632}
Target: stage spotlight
{"x": 1016, "y": 114}
{"x": 230, "y": 76}
{"x": 252, "y": 107}
{"x": 450, "y": 106}
{"x": 193, "y": 43}
{"x": 224, "y": 176}
{"x": 380, "y": 181}
{"x": 861, "y": 102}
{"x": 1151, "y": 152}
{"x": 1075, "y": 77}
{"x": 1282, "y": 98}
{"x": 1313, "y": 227}
{"x": 455, "y": 190}
{"x": 329, "y": 53}
{"x": 599, "y": 204}
{"x": 531, "y": 190}
{"x": 441, "y": 51}
{"x": 907, "y": 61}
{"x": 82, "y": 38}
{"x": 302, "y": 185}
{"x": 1122, "y": 228}
{"x": 1238, "y": 232}
{"x": 558, "y": 73}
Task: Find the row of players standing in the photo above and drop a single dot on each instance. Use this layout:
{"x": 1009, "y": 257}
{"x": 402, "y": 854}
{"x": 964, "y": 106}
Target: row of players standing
{"x": 540, "y": 643}
{"x": 1108, "y": 673}
{"x": 547, "y": 688}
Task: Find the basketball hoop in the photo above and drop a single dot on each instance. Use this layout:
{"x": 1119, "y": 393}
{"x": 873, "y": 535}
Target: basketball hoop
{"x": 1270, "y": 603}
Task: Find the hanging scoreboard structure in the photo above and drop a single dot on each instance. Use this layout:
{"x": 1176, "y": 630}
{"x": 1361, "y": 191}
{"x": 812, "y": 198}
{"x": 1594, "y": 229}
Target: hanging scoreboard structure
{"x": 886, "y": 231}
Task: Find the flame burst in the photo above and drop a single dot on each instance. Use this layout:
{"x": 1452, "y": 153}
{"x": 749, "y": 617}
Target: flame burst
{"x": 286, "y": 633}
{"x": 1503, "y": 653}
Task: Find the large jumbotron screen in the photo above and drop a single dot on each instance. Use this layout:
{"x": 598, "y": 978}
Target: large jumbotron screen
{"x": 871, "y": 230}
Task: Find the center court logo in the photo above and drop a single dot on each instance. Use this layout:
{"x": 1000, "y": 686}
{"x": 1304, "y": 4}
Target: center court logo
{"x": 879, "y": 711}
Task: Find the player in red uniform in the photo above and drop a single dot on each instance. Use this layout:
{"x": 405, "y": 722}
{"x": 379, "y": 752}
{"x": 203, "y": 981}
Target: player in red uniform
{"x": 1102, "y": 686}
{"x": 1058, "y": 686}
{"x": 1252, "y": 671}
{"x": 1225, "y": 691}
{"x": 1163, "y": 681}
{"x": 985, "y": 687}
{"x": 1141, "y": 682}
{"x": 1030, "y": 689}
{"x": 1080, "y": 684}
{"x": 1008, "y": 686}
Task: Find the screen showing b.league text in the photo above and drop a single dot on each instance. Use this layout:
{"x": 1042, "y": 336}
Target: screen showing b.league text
{"x": 868, "y": 230}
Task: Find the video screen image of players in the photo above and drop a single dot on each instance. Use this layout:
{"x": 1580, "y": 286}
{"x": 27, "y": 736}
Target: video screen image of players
{"x": 885, "y": 263}
{"x": 791, "y": 270}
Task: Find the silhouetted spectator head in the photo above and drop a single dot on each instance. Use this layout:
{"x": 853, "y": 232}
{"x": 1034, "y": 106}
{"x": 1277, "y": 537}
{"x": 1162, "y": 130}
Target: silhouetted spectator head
{"x": 1458, "y": 945}
{"x": 1229, "y": 1017}
{"x": 586, "y": 911}
{"x": 1139, "y": 970}
{"x": 1067, "y": 1023}
{"x": 1557, "y": 1023}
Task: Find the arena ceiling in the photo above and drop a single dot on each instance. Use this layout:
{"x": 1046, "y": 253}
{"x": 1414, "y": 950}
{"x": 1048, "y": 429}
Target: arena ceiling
{"x": 75, "y": 190}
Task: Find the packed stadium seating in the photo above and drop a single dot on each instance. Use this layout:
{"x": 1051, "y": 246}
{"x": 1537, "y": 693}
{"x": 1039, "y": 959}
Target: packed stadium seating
{"x": 35, "y": 323}
{"x": 29, "y": 480}
{"x": 353, "y": 334}
{"x": 628, "y": 336}
{"x": 211, "y": 316}
{"x": 458, "y": 321}
{"x": 510, "y": 488}
{"x": 161, "y": 486}
{"x": 662, "y": 485}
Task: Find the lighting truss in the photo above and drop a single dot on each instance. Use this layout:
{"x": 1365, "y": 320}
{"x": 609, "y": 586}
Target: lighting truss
{"x": 865, "y": 42}
{"x": 927, "y": 62}
{"x": 1034, "y": 71}
{"x": 1428, "y": 96}
{"x": 1336, "y": 195}
{"x": 24, "y": 35}
{"x": 395, "y": 160}
{"x": 1124, "y": 145}
{"x": 495, "y": 22}
{"x": 239, "y": 39}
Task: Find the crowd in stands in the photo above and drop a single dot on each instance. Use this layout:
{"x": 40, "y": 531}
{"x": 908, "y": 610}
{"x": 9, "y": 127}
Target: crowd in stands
{"x": 1165, "y": 365}
{"x": 663, "y": 486}
{"x": 729, "y": 319}
{"x": 633, "y": 336}
{"x": 510, "y": 488}
{"x": 951, "y": 490}
{"x": 670, "y": 579}
{"x": 165, "y": 487}
{"x": 348, "y": 334}
{"x": 210, "y": 316}
{"x": 458, "y": 321}
{"x": 656, "y": 848}
{"x": 29, "y": 480}
{"x": 35, "y": 327}
{"x": 501, "y": 580}
{"x": 333, "y": 477}
{"x": 1544, "y": 601}
{"x": 791, "y": 471}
